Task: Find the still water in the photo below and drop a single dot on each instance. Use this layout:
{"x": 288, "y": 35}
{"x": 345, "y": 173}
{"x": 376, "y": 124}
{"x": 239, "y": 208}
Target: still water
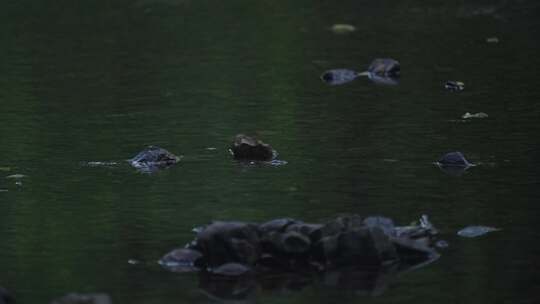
{"x": 86, "y": 81}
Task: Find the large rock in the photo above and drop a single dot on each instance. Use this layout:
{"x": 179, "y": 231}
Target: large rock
{"x": 249, "y": 148}
{"x": 229, "y": 242}
{"x": 293, "y": 246}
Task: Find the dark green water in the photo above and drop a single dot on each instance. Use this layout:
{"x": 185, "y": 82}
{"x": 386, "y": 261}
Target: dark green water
{"x": 87, "y": 81}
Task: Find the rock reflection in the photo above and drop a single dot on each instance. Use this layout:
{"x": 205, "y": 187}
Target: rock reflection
{"x": 361, "y": 281}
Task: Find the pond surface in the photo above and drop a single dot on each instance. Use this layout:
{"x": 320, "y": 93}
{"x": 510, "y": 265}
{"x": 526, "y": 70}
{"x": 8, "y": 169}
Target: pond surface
{"x": 86, "y": 85}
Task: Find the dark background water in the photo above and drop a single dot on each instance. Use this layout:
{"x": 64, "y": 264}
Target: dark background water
{"x": 97, "y": 81}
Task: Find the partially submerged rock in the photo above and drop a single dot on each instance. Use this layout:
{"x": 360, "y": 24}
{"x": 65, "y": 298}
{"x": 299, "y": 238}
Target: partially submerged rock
{"x": 153, "y": 158}
{"x": 237, "y": 248}
{"x": 342, "y": 28}
{"x": 385, "y": 67}
{"x": 381, "y": 71}
{"x": 5, "y": 296}
{"x": 475, "y": 231}
{"x": 84, "y": 298}
{"x": 475, "y": 115}
{"x": 339, "y": 76}
{"x": 182, "y": 260}
{"x": 454, "y": 86}
{"x": 454, "y": 159}
{"x": 250, "y": 148}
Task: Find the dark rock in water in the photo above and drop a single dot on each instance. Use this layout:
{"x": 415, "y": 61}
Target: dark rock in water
{"x": 80, "y": 298}
{"x": 249, "y": 148}
{"x": 339, "y": 76}
{"x": 294, "y": 243}
{"x": 475, "y": 231}
{"x": 347, "y": 253}
{"x": 153, "y": 158}
{"x": 385, "y": 67}
{"x": 383, "y": 223}
{"x": 288, "y": 245}
{"x": 5, "y": 296}
{"x": 231, "y": 270}
{"x": 454, "y": 86}
{"x": 277, "y": 225}
{"x": 455, "y": 159}
{"x": 182, "y": 260}
{"x": 226, "y": 242}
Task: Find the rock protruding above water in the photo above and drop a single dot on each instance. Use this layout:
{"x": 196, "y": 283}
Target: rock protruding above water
{"x": 475, "y": 231}
{"x": 454, "y": 86}
{"x": 153, "y": 158}
{"x": 339, "y": 76}
{"x": 381, "y": 71}
{"x": 453, "y": 163}
{"x": 288, "y": 245}
{"x": 80, "y": 298}
{"x": 5, "y": 296}
{"x": 385, "y": 67}
{"x": 248, "y": 148}
{"x": 455, "y": 159}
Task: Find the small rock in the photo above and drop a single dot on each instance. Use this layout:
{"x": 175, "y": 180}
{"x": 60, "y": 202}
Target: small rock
{"x": 474, "y": 231}
{"x": 441, "y": 244}
{"x": 5, "y": 296}
{"x": 476, "y": 115}
{"x": 153, "y": 158}
{"x": 133, "y": 262}
{"x": 80, "y": 298}
{"x": 249, "y": 148}
{"x": 492, "y": 40}
{"x": 454, "y": 159}
{"x": 385, "y": 67}
{"x": 454, "y": 86}
{"x": 182, "y": 260}
{"x": 339, "y": 76}
{"x": 231, "y": 270}
{"x": 343, "y": 28}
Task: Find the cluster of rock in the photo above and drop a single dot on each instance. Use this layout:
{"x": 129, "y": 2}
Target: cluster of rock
{"x": 288, "y": 245}
{"x": 380, "y": 70}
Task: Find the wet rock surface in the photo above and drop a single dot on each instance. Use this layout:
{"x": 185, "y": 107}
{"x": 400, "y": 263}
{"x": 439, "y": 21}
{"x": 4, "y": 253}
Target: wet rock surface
{"x": 385, "y": 67}
{"x": 475, "y": 231}
{"x": 454, "y": 86}
{"x": 288, "y": 245}
{"x": 5, "y": 296}
{"x": 153, "y": 158}
{"x": 339, "y": 76}
{"x": 249, "y": 148}
{"x": 454, "y": 159}
{"x": 381, "y": 71}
